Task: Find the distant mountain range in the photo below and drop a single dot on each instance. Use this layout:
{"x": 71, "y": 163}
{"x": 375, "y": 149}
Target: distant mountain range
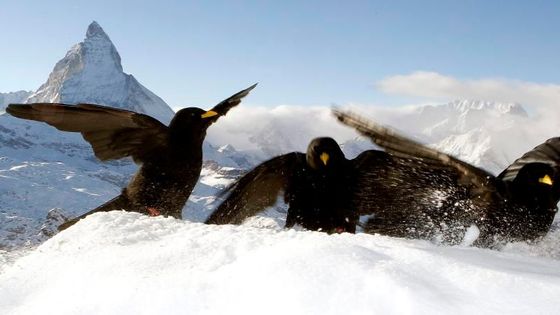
{"x": 47, "y": 175}
{"x": 13, "y": 97}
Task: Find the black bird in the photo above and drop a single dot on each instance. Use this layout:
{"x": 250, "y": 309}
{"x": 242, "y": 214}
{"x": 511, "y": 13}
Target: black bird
{"x": 317, "y": 186}
{"x": 427, "y": 192}
{"x": 170, "y": 157}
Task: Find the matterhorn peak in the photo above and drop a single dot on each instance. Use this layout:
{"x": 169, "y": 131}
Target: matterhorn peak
{"x": 95, "y": 30}
{"x": 91, "y": 72}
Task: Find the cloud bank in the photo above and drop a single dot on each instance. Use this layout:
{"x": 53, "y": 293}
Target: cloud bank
{"x": 543, "y": 98}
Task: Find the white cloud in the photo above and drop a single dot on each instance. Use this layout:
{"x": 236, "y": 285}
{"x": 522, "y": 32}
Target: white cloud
{"x": 281, "y": 128}
{"x": 544, "y": 98}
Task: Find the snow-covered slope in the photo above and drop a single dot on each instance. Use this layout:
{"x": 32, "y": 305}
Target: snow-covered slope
{"x": 116, "y": 262}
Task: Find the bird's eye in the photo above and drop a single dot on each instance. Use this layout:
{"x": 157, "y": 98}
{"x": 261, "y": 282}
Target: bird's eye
{"x": 546, "y": 180}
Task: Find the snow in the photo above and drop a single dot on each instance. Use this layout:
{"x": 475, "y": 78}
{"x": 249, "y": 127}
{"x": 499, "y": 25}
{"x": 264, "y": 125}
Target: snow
{"x": 118, "y": 262}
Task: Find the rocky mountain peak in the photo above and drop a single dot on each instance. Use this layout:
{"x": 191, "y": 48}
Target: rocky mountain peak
{"x": 91, "y": 72}
{"x": 95, "y": 30}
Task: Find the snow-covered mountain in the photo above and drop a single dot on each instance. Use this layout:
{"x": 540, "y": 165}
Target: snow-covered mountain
{"x": 487, "y": 134}
{"x": 91, "y": 72}
{"x": 13, "y": 97}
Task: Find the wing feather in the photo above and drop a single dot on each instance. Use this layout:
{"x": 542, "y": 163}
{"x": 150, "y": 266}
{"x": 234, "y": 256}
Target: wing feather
{"x": 113, "y": 133}
{"x": 224, "y": 106}
{"x": 403, "y": 147}
{"x": 257, "y": 190}
{"x": 547, "y": 153}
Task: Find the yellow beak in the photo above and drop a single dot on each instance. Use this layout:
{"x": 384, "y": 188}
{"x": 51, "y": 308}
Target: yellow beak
{"x": 209, "y": 113}
{"x": 546, "y": 180}
{"x": 324, "y": 157}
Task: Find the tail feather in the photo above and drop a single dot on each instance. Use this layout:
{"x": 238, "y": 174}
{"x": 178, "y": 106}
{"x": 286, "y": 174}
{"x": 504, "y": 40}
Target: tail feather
{"x": 119, "y": 202}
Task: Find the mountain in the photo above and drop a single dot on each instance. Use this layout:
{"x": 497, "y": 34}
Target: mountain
{"x": 487, "y": 134}
{"x": 13, "y": 97}
{"x": 91, "y": 72}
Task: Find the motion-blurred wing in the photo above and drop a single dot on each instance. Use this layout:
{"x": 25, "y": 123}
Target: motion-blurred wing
{"x": 406, "y": 148}
{"x": 257, "y": 190}
{"x": 546, "y": 153}
{"x": 113, "y": 133}
{"x": 224, "y": 106}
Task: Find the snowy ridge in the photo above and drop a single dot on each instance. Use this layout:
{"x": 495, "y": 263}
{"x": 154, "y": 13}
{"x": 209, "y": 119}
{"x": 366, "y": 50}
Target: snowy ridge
{"x": 118, "y": 261}
{"x": 13, "y": 97}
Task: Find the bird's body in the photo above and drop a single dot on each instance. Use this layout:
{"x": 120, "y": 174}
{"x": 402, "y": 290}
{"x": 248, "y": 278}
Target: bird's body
{"x": 165, "y": 182}
{"x": 170, "y": 157}
{"x": 424, "y": 193}
{"x": 317, "y": 187}
{"x": 318, "y": 200}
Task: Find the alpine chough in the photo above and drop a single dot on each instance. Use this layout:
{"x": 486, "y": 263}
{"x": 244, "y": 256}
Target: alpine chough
{"x": 317, "y": 186}
{"x": 424, "y": 193}
{"x": 170, "y": 156}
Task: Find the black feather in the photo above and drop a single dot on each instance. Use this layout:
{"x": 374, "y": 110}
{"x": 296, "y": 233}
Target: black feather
{"x": 426, "y": 193}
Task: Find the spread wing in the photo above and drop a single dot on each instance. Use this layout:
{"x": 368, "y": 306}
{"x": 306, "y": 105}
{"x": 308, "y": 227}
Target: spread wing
{"x": 387, "y": 183}
{"x": 224, "y": 106}
{"x": 546, "y": 153}
{"x": 403, "y": 147}
{"x": 406, "y": 197}
{"x": 257, "y": 190}
{"x": 113, "y": 133}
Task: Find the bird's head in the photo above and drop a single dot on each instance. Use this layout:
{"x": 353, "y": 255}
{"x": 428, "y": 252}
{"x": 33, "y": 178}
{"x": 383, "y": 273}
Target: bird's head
{"x": 193, "y": 120}
{"x": 538, "y": 183}
{"x": 324, "y": 154}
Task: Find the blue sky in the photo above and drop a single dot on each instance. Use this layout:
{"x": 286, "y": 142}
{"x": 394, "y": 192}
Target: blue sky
{"x": 301, "y": 52}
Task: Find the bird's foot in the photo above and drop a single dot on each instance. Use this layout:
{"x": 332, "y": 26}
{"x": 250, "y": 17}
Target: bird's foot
{"x": 153, "y": 212}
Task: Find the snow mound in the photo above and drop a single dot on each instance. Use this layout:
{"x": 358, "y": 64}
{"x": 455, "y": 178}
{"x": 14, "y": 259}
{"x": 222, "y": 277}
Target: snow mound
{"x": 117, "y": 262}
